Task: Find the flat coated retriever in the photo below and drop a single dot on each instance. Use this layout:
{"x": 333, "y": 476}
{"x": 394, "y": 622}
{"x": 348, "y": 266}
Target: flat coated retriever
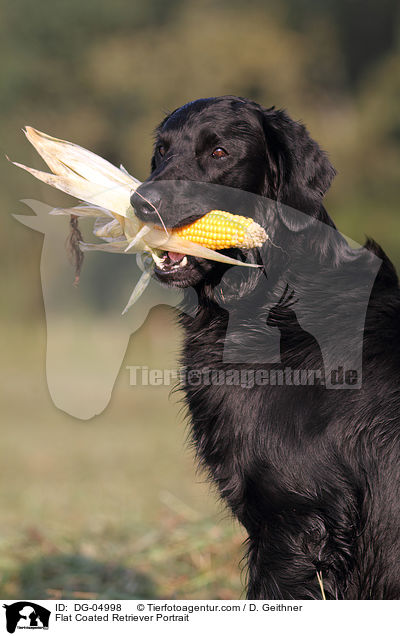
{"x": 312, "y": 473}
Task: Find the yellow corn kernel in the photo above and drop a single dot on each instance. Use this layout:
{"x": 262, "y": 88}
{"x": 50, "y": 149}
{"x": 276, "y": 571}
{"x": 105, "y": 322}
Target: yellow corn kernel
{"x": 220, "y": 230}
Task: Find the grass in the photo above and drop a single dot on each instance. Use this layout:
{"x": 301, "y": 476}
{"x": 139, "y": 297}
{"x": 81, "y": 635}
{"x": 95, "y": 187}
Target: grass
{"x": 111, "y": 507}
{"x": 172, "y": 559}
{"x": 321, "y": 585}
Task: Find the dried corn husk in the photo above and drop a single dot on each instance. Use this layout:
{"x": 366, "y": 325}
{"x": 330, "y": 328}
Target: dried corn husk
{"x": 106, "y": 191}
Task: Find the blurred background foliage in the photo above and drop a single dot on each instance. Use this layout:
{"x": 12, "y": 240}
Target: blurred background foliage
{"x": 103, "y": 74}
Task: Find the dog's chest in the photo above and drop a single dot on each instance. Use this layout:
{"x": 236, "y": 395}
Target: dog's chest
{"x": 240, "y": 440}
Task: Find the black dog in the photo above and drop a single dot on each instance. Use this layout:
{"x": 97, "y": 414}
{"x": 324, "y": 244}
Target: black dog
{"x": 313, "y": 474}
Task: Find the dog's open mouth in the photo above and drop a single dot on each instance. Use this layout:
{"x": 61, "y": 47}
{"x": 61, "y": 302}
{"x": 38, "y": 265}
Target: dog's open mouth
{"x": 179, "y": 270}
{"x": 170, "y": 261}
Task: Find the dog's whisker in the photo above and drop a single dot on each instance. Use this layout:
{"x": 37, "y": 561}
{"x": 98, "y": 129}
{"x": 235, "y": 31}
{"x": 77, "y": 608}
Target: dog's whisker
{"x": 277, "y": 246}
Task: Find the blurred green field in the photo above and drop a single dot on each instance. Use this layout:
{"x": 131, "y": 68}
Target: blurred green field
{"x": 111, "y": 507}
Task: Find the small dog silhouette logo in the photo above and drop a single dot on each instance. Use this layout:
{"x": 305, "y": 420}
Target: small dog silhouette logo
{"x": 26, "y": 615}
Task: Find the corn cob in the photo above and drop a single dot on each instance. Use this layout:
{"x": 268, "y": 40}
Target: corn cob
{"x": 106, "y": 190}
{"x": 220, "y": 230}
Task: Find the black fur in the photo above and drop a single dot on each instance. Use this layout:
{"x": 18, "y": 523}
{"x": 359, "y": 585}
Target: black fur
{"x": 313, "y": 474}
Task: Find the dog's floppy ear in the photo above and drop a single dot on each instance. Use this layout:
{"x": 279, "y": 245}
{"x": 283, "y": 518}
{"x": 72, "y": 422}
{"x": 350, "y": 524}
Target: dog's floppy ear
{"x": 298, "y": 172}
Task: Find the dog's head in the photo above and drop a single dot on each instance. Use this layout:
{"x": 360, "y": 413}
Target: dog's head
{"x": 236, "y": 143}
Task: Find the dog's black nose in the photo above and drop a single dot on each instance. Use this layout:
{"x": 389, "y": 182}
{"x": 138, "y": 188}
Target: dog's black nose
{"x": 146, "y": 201}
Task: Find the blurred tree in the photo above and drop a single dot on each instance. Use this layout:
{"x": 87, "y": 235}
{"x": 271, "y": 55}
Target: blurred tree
{"x": 366, "y": 30}
{"x": 103, "y": 74}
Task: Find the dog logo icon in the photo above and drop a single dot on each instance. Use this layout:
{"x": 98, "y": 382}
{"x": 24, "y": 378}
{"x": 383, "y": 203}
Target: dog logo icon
{"x": 26, "y": 615}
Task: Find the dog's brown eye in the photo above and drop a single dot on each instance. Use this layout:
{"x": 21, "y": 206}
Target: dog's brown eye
{"x": 161, "y": 150}
{"x": 218, "y": 153}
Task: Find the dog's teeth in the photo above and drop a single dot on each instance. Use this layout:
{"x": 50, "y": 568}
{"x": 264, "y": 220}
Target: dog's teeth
{"x": 158, "y": 261}
{"x": 164, "y": 262}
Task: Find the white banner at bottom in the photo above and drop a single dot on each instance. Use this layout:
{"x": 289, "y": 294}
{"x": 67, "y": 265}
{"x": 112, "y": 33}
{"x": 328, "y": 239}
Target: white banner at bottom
{"x": 150, "y": 617}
